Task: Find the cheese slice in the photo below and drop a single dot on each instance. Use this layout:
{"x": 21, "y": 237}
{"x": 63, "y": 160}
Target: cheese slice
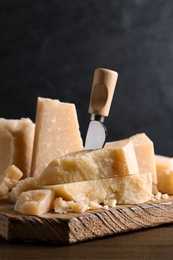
{"x": 16, "y": 144}
{"x": 56, "y": 134}
{"x": 23, "y": 185}
{"x": 144, "y": 150}
{"x": 131, "y": 189}
{"x": 8, "y": 179}
{"x": 90, "y": 165}
{"x": 35, "y": 202}
{"x": 164, "y": 166}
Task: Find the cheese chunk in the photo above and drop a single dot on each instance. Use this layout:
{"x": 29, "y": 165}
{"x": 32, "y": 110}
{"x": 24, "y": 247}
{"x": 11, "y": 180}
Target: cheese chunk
{"x": 165, "y": 182}
{"x": 131, "y": 189}
{"x": 23, "y": 185}
{"x": 16, "y": 144}
{"x": 144, "y": 150}
{"x": 164, "y": 166}
{"x": 9, "y": 178}
{"x": 35, "y": 202}
{"x": 56, "y": 134}
{"x": 90, "y": 165}
{"x": 61, "y": 206}
{"x": 163, "y": 163}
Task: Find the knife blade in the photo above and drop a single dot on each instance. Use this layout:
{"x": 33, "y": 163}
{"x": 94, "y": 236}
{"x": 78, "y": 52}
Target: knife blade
{"x": 103, "y": 86}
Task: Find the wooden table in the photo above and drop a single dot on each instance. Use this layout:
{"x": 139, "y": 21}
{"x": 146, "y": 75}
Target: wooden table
{"x": 152, "y": 243}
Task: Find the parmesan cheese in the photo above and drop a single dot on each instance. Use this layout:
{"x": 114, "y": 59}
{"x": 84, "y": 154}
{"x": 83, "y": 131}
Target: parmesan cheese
{"x": 35, "y": 202}
{"x": 16, "y": 144}
{"x": 144, "y": 150}
{"x": 90, "y": 165}
{"x": 164, "y": 166}
{"x": 9, "y": 178}
{"x": 56, "y": 134}
{"x": 132, "y": 189}
{"x": 23, "y": 185}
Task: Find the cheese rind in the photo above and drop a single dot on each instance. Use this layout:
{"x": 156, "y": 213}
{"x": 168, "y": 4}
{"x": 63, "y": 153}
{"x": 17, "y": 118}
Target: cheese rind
{"x": 35, "y": 202}
{"x": 16, "y": 142}
{"x": 90, "y": 165}
{"x": 9, "y": 178}
{"x": 23, "y": 185}
{"x": 56, "y": 134}
{"x": 132, "y": 189}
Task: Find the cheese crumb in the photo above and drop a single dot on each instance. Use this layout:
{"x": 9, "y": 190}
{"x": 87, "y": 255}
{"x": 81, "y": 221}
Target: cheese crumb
{"x": 165, "y": 196}
{"x": 61, "y": 206}
{"x": 79, "y": 207}
{"x": 153, "y": 199}
{"x": 95, "y": 205}
{"x": 158, "y": 196}
{"x": 106, "y": 207}
{"x": 112, "y": 203}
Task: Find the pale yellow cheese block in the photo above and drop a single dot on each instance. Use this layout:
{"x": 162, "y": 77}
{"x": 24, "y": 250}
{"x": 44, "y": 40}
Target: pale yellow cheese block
{"x": 90, "y": 165}
{"x": 144, "y": 150}
{"x": 56, "y": 134}
{"x": 16, "y": 144}
{"x": 35, "y": 202}
{"x": 131, "y": 189}
{"x": 23, "y": 185}
{"x": 9, "y": 178}
{"x": 165, "y": 181}
{"x": 163, "y": 163}
{"x": 164, "y": 166}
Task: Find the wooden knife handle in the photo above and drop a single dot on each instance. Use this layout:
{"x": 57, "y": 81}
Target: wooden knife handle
{"x": 104, "y": 82}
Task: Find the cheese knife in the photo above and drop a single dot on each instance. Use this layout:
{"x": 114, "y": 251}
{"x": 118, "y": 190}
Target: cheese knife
{"x": 103, "y": 86}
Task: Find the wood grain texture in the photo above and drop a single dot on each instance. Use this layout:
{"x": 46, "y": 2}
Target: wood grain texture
{"x": 53, "y": 228}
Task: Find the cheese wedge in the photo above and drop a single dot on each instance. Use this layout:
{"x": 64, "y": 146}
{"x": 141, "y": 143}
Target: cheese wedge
{"x": 16, "y": 144}
{"x": 8, "y": 179}
{"x": 56, "y": 134}
{"x": 131, "y": 189}
{"x": 23, "y": 185}
{"x": 35, "y": 202}
{"x": 164, "y": 166}
{"x": 144, "y": 150}
{"x": 90, "y": 165}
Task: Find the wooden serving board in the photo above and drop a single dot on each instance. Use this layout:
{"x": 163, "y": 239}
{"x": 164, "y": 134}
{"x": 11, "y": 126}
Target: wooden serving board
{"x": 72, "y": 227}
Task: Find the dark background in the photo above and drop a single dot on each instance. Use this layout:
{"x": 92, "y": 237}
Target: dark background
{"x": 50, "y": 48}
